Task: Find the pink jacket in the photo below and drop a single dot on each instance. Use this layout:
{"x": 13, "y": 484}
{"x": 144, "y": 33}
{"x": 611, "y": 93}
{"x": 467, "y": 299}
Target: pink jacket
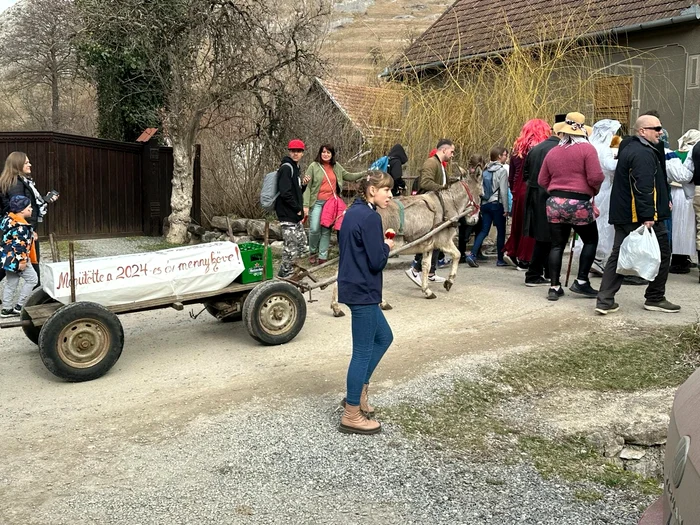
{"x": 573, "y": 168}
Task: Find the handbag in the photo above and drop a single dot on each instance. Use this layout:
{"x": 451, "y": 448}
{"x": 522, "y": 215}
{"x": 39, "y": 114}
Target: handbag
{"x": 333, "y": 210}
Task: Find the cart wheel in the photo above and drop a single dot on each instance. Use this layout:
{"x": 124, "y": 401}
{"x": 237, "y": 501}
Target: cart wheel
{"x": 274, "y": 312}
{"x": 81, "y": 341}
{"x": 38, "y": 297}
{"x": 214, "y": 311}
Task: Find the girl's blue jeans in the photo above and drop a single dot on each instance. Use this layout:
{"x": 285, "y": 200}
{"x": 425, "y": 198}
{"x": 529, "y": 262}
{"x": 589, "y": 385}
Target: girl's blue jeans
{"x": 371, "y": 336}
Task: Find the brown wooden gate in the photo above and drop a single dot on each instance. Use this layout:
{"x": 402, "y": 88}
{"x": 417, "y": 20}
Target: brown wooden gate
{"x": 108, "y": 188}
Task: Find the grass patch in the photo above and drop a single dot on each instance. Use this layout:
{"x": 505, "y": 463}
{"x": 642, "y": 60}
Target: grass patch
{"x": 655, "y": 358}
{"x": 146, "y": 246}
{"x": 576, "y": 459}
{"x": 588, "y": 496}
{"x": 464, "y": 417}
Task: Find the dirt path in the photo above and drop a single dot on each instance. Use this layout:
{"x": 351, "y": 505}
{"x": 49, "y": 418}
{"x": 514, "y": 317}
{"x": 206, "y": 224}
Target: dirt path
{"x": 175, "y": 369}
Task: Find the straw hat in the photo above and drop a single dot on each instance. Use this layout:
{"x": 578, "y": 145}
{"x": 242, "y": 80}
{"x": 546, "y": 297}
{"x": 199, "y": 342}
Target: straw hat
{"x": 573, "y": 125}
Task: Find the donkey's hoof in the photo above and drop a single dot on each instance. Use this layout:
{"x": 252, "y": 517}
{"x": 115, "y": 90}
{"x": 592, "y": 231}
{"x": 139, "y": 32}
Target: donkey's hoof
{"x": 338, "y": 313}
{"x": 386, "y": 306}
{"x": 447, "y": 285}
{"x": 431, "y": 296}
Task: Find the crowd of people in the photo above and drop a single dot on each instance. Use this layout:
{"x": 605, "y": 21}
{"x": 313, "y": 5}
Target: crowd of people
{"x": 554, "y": 179}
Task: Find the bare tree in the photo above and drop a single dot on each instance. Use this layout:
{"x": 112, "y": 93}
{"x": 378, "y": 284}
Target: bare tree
{"x": 215, "y": 59}
{"x": 38, "y": 49}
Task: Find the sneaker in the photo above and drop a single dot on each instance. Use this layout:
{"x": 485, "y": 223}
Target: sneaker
{"x": 471, "y": 261}
{"x": 634, "y": 280}
{"x": 522, "y": 266}
{"x": 8, "y": 312}
{"x": 553, "y": 294}
{"x": 602, "y": 310}
{"x": 436, "y": 279}
{"x": 662, "y": 306}
{"x": 442, "y": 263}
{"x": 415, "y": 277}
{"x": 583, "y": 289}
{"x": 501, "y": 263}
{"x": 597, "y": 268}
{"x": 511, "y": 261}
{"x": 537, "y": 281}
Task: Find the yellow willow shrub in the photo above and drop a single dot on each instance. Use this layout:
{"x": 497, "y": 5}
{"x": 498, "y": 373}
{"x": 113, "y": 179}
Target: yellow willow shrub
{"x": 484, "y": 102}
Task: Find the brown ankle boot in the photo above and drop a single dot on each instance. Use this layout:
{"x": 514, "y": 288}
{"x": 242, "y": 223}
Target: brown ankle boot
{"x": 367, "y": 409}
{"x": 364, "y": 402}
{"x": 355, "y": 422}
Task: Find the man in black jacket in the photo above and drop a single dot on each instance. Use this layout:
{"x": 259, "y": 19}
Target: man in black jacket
{"x": 289, "y": 207}
{"x": 639, "y": 196}
{"x": 536, "y": 224}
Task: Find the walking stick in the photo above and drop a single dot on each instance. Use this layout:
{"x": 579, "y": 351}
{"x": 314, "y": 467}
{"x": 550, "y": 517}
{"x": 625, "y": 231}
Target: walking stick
{"x": 571, "y": 256}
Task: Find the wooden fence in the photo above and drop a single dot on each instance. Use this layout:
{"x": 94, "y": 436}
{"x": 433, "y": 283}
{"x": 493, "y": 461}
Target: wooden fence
{"x": 107, "y": 188}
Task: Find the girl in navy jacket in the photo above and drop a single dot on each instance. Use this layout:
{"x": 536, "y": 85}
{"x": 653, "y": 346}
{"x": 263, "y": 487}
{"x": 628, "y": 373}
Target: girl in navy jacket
{"x": 364, "y": 251}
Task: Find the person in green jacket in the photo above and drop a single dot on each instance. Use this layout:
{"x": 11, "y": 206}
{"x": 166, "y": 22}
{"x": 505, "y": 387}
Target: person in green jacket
{"x": 324, "y": 179}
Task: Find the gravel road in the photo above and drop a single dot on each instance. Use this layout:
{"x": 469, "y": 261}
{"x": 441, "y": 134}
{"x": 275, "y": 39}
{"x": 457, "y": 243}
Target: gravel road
{"x": 199, "y": 424}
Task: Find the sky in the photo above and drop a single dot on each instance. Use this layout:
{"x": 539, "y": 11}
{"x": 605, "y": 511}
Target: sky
{"x": 4, "y": 4}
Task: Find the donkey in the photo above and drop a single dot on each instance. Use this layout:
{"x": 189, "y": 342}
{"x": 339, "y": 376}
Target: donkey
{"x": 422, "y": 214}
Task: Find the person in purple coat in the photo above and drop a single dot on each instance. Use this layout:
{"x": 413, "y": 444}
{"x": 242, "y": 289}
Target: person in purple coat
{"x": 364, "y": 250}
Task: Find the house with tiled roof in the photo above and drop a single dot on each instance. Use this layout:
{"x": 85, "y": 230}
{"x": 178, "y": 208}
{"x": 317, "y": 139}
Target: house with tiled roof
{"x": 372, "y": 113}
{"x": 661, "y": 65}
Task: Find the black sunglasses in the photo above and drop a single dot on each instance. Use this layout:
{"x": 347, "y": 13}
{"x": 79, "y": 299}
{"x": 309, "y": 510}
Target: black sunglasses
{"x": 655, "y": 128}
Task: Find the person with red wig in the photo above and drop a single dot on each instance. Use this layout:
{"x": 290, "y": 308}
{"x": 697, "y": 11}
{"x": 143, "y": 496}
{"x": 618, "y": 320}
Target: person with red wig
{"x": 518, "y": 249}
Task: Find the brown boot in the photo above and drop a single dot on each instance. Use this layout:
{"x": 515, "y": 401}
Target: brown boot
{"x": 364, "y": 401}
{"x": 367, "y": 409}
{"x": 355, "y": 422}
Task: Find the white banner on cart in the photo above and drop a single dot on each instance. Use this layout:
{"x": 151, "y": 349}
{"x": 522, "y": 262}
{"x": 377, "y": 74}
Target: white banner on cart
{"x": 124, "y": 279}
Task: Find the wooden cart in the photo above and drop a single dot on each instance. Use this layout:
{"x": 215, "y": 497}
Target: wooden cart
{"x": 82, "y": 340}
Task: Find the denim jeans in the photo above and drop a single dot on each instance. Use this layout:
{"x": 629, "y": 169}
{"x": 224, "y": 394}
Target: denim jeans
{"x": 371, "y": 336}
{"x": 492, "y": 213}
{"x": 319, "y": 237}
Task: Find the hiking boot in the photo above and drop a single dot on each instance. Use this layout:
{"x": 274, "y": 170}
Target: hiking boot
{"x": 365, "y": 407}
{"x": 583, "y": 289}
{"x": 605, "y": 310}
{"x": 9, "y": 312}
{"x": 536, "y": 281}
{"x": 355, "y": 422}
{"x": 471, "y": 261}
{"x": 436, "y": 279}
{"x": 415, "y": 277}
{"x": 553, "y": 294}
{"x": 662, "y": 306}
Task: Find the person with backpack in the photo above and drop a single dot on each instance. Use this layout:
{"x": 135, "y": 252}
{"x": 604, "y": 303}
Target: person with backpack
{"x": 397, "y": 158}
{"x": 325, "y": 179}
{"x": 494, "y": 204}
{"x": 289, "y": 207}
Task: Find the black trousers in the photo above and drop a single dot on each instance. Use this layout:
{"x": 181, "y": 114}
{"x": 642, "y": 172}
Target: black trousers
{"x": 610, "y": 285}
{"x": 465, "y": 231}
{"x": 540, "y": 261}
{"x": 560, "y": 238}
{"x": 418, "y": 260}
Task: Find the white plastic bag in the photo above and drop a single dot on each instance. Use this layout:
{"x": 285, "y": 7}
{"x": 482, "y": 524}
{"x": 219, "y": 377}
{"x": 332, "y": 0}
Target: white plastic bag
{"x": 640, "y": 254}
